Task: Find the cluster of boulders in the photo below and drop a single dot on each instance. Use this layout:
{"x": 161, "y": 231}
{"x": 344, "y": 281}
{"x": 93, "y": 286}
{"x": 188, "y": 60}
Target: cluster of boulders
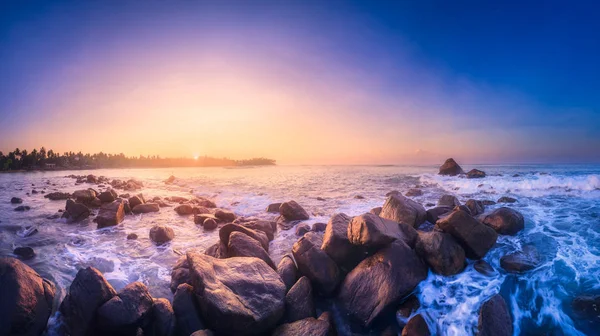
{"x": 129, "y": 185}
{"x": 451, "y": 168}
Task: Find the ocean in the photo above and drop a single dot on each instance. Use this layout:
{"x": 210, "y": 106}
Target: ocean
{"x": 560, "y": 203}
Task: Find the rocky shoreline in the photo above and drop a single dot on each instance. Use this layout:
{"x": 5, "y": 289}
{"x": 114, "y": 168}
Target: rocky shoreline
{"x": 354, "y": 275}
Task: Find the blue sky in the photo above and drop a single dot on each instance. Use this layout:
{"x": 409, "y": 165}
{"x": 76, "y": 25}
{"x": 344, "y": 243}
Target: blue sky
{"x": 385, "y": 82}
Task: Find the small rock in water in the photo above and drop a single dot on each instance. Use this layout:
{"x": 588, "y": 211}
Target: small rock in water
{"x": 359, "y": 197}
{"x": 475, "y": 173}
{"x": 184, "y": 209}
{"x": 449, "y": 201}
{"x": 484, "y": 268}
{"x": 24, "y": 253}
{"x": 302, "y": 229}
{"x": 318, "y": 227}
{"x": 506, "y": 199}
{"x": 132, "y": 236}
{"x": 505, "y": 221}
{"x": 161, "y": 234}
{"x": 407, "y": 308}
{"x": 450, "y": 168}
{"x": 292, "y": 211}
{"x": 209, "y": 224}
{"x": 414, "y": 192}
{"x": 145, "y": 208}
{"x": 521, "y": 261}
{"x": 273, "y": 207}
{"x": 27, "y": 231}
{"x": 16, "y": 200}
{"x": 22, "y": 208}
{"x": 416, "y": 326}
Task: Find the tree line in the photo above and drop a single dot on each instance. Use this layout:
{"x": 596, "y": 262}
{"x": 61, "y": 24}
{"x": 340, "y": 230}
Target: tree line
{"x": 49, "y": 159}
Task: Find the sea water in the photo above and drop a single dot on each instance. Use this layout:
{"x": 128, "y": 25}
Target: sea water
{"x": 560, "y": 205}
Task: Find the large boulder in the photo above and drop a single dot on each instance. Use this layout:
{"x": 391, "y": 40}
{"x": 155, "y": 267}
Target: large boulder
{"x": 259, "y": 236}
{"x": 57, "y": 196}
{"x": 292, "y": 211}
{"x": 451, "y": 168}
{"x": 126, "y": 311}
{"x": 475, "y": 238}
{"x": 441, "y": 252}
{"x": 434, "y": 214}
{"x": 314, "y": 263}
{"x": 494, "y": 318}
{"x": 25, "y": 299}
{"x": 161, "y": 234}
{"x": 136, "y": 200}
{"x": 267, "y": 227}
{"x": 416, "y": 326}
{"x": 186, "y": 310}
{"x": 242, "y": 245}
{"x": 180, "y": 273}
{"x": 308, "y": 326}
{"x": 287, "y": 270}
{"x": 521, "y": 261}
{"x": 163, "y": 318}
{"x": 299, "y": 301}
{"x": 505, "y": 221}
{"x": 88, "y": 291}
{"x": 403, "y": 210}
{"x": 380, "y": 282}
{"x": 475, "y": 173}
{"x": 75, "y": 212}
{"x": 111, "y": 214}
{"x": 108, "y": 196}
{"x": 84, "y": 195}
{"x": 225, "y": 215}
{"x": 145, "y": 208}
{"x": 475, "y": 207}
{"x": 337, "y": 245}
{"x": 237, "y": 296}
{"x": 448, "y": 200}
{"x": 374, "y": 232}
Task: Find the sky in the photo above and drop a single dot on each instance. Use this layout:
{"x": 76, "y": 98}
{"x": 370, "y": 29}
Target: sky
{"x": 304, "y": 82}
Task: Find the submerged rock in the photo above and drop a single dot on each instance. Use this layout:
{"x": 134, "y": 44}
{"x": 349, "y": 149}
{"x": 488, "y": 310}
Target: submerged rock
{"x": 184, "y": 209}
{"x": 403, "y": 210}
{"x": 441, "y": 252}
{"x": 292, "y": 211}
{"x": 587, "y": 306}
{"x": 521, "y": 261}
{"x": 451, "y": 168}
{"x": 161, "y": 234}
{"x": 484, "y": 268}
{"x": 414, "y": 192}
{"x": 22, "y": 208}
{"x": 475, "y": 173}
{"x": 475, "y": 238}
{"x": 494, "y": 318}
{"x": 506, "y": 199}
{"x": 314, "y": 263}
{"x": 505, "y": 221}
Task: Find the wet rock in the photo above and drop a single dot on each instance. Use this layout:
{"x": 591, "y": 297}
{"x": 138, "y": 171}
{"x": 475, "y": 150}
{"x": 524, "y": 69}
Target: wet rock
{"x": 237, "y": 296}
{"x": 337, "y": 245}
{"x": 267, "y": 227}
{"x": 393, "y": 192}
{"x": 484, "y": 268}
{"x": 177, "y": 199}
{"x": 308, "y": 326}
{"x": 441, "y": 252}
{"x": 302, "y": 229}
{"x": 475, "y": 173}
{"x": 22, "y": 208}
{"x": 299, "y": 301}
{"x": 475, "y": 207}
{"x": 380, "y": 282}
{"x": 450, "y": 168}
{"x": 505, "y": 221}
{"x": 170, "y": 180}
{"x": 494, "y": 318}
{"x": 163, "y": 318}
{"x": 108, "y": 196}
{"x": 75, "y": 212}
{"x": 161, "y": 234}
{"x": 225, "y": 216}
{"x": 403, "y": 210}
{"x": 184, "y": 209}
{"x": 24, "y": 253}
{"x": 57, "y": 196}
{"x": 242, "y": 245}
{"x": 132, "y": 236}
{"x": 126, "y": 310}
{"x": 84, "y": 195}
{"x": 292, "y": 211}
{"x": 96, "y": 202}
{"x": 259, "y": 236}
{"x": 374, "y": 232}
{"x": 318, "y": 227}
{"x": 376, "y": 211}
{"x": 200, "y": 218}
{"x": 285, "y": 224}
{"x": 287, "y": 271}
{"x": 359, "y": 197}
{"x": 145, "y": 208}
{"x": 136, "y": 200}
{"x": 434, "y": 214}
{"x": 111, "y": 214}
{"x": 209, "y": 224}
{"x": 26, "y": 299}
{"x": 587, "y": 307}
{"x": 180, "y": 273}
{"x": 199, "y": 210}
{"x": 416, "y": 326}
{"x": 204, "y": 202}
{"x": 314, "y": 263}
{"x": 506, "y": 199}
{"x": 186, "y": 310}
{"x": 407, "y": 308}
{"x": 474, "y": 237}
{"x": 16, "y": 200}
{"x": 521, "y": 261}
{"x": 88, "y": 291}
{"x": 414, "y": 192}
{"x": 487, "y": 202}
{"x": 448, "y": 201}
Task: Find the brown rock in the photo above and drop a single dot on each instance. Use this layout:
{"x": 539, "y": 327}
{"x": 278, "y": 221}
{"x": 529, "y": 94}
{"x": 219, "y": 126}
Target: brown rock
{"x": 242, "y": 245}
{"x": 451, "y": 168}
{"x": 273, "y": 207}
{"x": 403, "y": 210}
{"x": 227, "y": 229}
{"x": 474, "y": 237}
{"x": 337, "y": 245}
{"x": 505, "y": 221}
{"x": 416, "y": 326}
{"x": 145, "y": 208}
{"x": 126, "y": 310}
{"x": 316, "y": 264}
{"x": 374, "y": 232}
{"x": 494, "y": 318}
{"x": 308, "y": 326}
{"x": 184, "y": 209}
{"x": 292, "y": 211}
{"x": 441, "y": 252}
{"x": 475, "y": 173}
{"x": 299, "y": 301}
{"x": 448, "y": 201}
{"x": 161, "y": 234}
{"x": 225, "y": 216}
{"x": 111, "y": 214}
{"x": 287, "y": 271}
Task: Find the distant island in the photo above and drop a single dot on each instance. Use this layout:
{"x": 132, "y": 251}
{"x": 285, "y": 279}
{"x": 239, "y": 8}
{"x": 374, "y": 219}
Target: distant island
{"x": 42, "y": 159}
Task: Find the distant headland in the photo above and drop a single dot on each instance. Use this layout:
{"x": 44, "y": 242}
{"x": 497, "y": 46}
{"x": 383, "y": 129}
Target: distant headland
{"x": 42, "y": 159}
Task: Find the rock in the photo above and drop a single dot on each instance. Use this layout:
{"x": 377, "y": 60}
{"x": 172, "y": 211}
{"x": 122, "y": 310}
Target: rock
{"x": 180, "y": 273}
{"x": 111, "y": 214}
{"x": 299, "y": 301}
{"x": 26, "y": 299}
{"x": 414, "y": 192}
{"x": 474, "y": 237}
{"x": 145, "y": 208}
{"x": 587, "y": 307}
{"x": 217, "y": 250}
{"x": 170, "y": 180}
{"x": 441, "y": 252}
{"x": 285, "y": 224}
{"x": 376, "y": 211}
{"x": 359, "y": 197}
{"x": 200, "y": 218}
{"x": 410, "y": 305}
{"x": 84, "y": 195}
{"x": 204, "y": 202}
{"x": 186, "y": 310}
{"x": 199, "y": 210}
{"x": 161, "y": 234}
{"x": 475, "y": 173}
{"x": 126, "y": 310}
{"x": 24, "y": 253}
{"x": 22, "y": 208}
{"x": 108, "y": 196}
{"x": 380, "y": 282}
{"x": 448, "y": 201}
{"x": 494, "y": 318}
{"x": 136, "y": 200}
{"x": 287, "y": 271}
{"x": 505, "y": 221}
{"x": 16, "y": 200}
{"x": 209, "y": 224}
{"x": 292, "y": 211}
{"x": 96, "y": 202}
{"x": 88, "y": 291}
{"x": 267, "y": 227}
{"x": 132, "y": 236}
{"x": 184, "y": 209}
{"x": 521, "y": 261}
{"x": 506, "y": 199}
{"x": 337, "y": 245}
{"x": 450, "y": 168}
{"x": 416, "y": 326}
{"x": 403, "y": 210}
{"x": 374, "y": 232}
{"x": 302, "y": 229}
{"x": 484, "y": 268}
{"x": 273, "y": 207}
{"x": 27, "y": 231}
{"x": 205, "y": 332}
{"x": 393, "y": 192}
{"x": 242, "y": 245}
{"x": 237, "y": 296}
{"x": 225, "y": 216}
{"x": 57, "y": 196}
{"x": 314, "y": 263}
{"x": 318, "y": 227}
{"x": 308, "y": 326}
{"x": 163, "y": 318}
{"x": 475, "y": 207}
{"x": 75, "y": 212}
{"x": 259, "y": 236}
{"x": 434, "y": 214}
